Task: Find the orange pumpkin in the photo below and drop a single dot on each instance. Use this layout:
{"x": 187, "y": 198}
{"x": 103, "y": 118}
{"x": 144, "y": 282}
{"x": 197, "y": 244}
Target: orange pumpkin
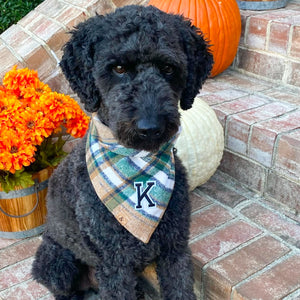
{"x": 219, "y": 20}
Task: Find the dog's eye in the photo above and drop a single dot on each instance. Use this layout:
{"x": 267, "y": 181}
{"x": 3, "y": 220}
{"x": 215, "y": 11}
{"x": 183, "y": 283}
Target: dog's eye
{"x": 167, "y": 69}
{"x": 119, "y": 70}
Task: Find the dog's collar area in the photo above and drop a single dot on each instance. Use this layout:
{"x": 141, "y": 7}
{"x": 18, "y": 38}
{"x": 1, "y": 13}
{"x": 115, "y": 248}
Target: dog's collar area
{"x": 108, "y": 141}
{"x": 135, "y": 186}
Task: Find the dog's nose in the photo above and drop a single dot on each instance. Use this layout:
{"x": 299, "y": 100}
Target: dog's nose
{"x": 149, "y": 129}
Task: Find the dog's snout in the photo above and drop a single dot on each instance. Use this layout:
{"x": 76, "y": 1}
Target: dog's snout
{"x": 149, "y": 128}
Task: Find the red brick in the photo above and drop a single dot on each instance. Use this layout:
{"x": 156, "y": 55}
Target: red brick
{"x": 295, "y": 44}
{"x": 276, "y": 15}
{"x": 26, "y": 291}
{"x": 283, "y": 94}
{"x": 265, "y": 133}
{"x": 208, "y": 219}
{"x": 7, "y": 61}
{"x": 223, "y": 96}
{"x": 235, "y": 185}
{"x": 261, "y": 63}
{"x": 51, "y": 33}
{"x": 279, "y": 37}
{"x": 59, "y": 83}
{"x": 5, "y": 243}
{"x": 274, "y": 222}
{"x": 18, "y": 252}
{"x": 15, "y": 274}
{"x": 233, "y": 107}
{"x": 223, "y": 275}
{"x": 257, "y": 32}
{"x": 244, "y": 170}
{"x": 238, "y": 126}
{"x": 71, "y": 16}
{"x": 239, "y": 81}
{"x": 293, "y": 77}
{"x": 222, "y": 241}
{"x": 213, "y": 85}
{"x": 288, "y": 154}
{"x": 129, "y": 2}
{"x": 274, "y": 284}
{"x": 284, "y": 192}
{"x": 244, "y": 23}
{"x": 197, "y": 202}
{"x": 101, "y": 7}
{"x": 51, "y": 8}
{"x": 34, "y": 55}
{"x": 221, "y": 193}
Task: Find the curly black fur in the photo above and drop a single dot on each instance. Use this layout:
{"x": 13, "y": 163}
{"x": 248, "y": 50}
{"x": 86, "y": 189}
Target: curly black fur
{"x": 132, "y": 66}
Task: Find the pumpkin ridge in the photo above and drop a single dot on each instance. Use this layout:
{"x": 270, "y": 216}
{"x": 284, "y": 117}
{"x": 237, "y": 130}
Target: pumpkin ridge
{"x": 218, "y": 36}
{"x": 227, "y": 47}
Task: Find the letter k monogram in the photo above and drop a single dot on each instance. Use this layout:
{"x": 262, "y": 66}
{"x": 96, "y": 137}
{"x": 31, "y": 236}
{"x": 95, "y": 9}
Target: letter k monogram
{"x": 144, "y": 194}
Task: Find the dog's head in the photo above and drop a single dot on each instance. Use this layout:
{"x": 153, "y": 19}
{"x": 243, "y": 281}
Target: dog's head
{"x": 133, "y": 66}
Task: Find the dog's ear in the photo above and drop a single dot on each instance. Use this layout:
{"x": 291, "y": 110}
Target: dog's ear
{"x": 199, "y": 61}
{"x": 78, "y": 61}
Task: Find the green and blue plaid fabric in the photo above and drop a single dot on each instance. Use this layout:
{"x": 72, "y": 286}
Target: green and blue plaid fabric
{"x": 134, "y": 185}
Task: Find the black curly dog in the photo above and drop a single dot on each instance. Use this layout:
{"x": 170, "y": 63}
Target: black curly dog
{"x": 132, "y": 67}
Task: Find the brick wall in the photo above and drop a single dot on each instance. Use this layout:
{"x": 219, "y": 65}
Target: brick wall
{"x": 270, "y": 45}
{"x": 262, "y": 128}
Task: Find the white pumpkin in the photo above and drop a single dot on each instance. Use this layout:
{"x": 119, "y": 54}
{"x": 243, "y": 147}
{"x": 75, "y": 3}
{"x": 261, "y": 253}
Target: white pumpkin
{"x": 200, "y": 144}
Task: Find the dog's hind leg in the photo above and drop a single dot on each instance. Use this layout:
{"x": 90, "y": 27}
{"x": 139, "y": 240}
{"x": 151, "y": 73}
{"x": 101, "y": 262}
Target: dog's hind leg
{"x": 57, "y": 269}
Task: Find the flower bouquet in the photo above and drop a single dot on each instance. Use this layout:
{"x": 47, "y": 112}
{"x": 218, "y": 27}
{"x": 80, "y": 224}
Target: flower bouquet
{"x": 33, "y": 119}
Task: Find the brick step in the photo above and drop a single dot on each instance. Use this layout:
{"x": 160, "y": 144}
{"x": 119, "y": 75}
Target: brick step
{"x": 241, "y": 247}
{"x": 270, "y": 45}
{"x": 260, "y": 118}
{"x": 262, "y": 136}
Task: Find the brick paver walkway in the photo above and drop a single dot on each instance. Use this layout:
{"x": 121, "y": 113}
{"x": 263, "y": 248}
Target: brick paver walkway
{"x": 241, "y": 247}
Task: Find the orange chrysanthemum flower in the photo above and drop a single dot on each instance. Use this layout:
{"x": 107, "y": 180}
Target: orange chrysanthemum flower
{"x": 9, "y": 108}
{"x": 15, "y": 153}
{"x": 33, "y": 126}
{"x": 17, "y": 80}
{"x": 30, "y": 113}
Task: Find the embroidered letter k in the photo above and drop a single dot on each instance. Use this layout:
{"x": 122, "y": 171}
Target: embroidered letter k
{"x": 144, "y": 194}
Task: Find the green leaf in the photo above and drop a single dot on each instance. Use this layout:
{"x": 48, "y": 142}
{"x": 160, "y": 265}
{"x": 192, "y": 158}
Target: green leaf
{"x": 10, "y": 181}
{"x": 49, "y": 154}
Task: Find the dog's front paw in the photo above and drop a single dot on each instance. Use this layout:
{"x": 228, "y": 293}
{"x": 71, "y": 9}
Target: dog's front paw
{"x": 55, "y": 268}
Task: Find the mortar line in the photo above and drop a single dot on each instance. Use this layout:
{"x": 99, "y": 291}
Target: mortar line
{"x": 16, "y": 263}
{"x": 203, "y": 209}
{"x": 12, "y": 50}
{"x": 262, "y": 271}
{"x": 77, "y": 6}
{"x": 42, "y": 43}
{"x": 276, "y": 142}
{"x": 239, "y": 216}
{"x": 293, "y": 295}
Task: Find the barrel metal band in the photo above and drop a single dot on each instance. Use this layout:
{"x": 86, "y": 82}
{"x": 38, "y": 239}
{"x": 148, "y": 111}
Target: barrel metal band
{"x": 24, "y": 192}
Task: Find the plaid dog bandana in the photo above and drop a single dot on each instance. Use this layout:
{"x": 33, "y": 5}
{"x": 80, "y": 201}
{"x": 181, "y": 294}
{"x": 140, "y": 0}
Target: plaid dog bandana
{"x": 134, "y": 185}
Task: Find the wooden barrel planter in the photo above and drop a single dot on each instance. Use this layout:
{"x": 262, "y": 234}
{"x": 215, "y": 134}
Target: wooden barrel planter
{"x": 23, "y": 211}
{"x": 261, "y": 4}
